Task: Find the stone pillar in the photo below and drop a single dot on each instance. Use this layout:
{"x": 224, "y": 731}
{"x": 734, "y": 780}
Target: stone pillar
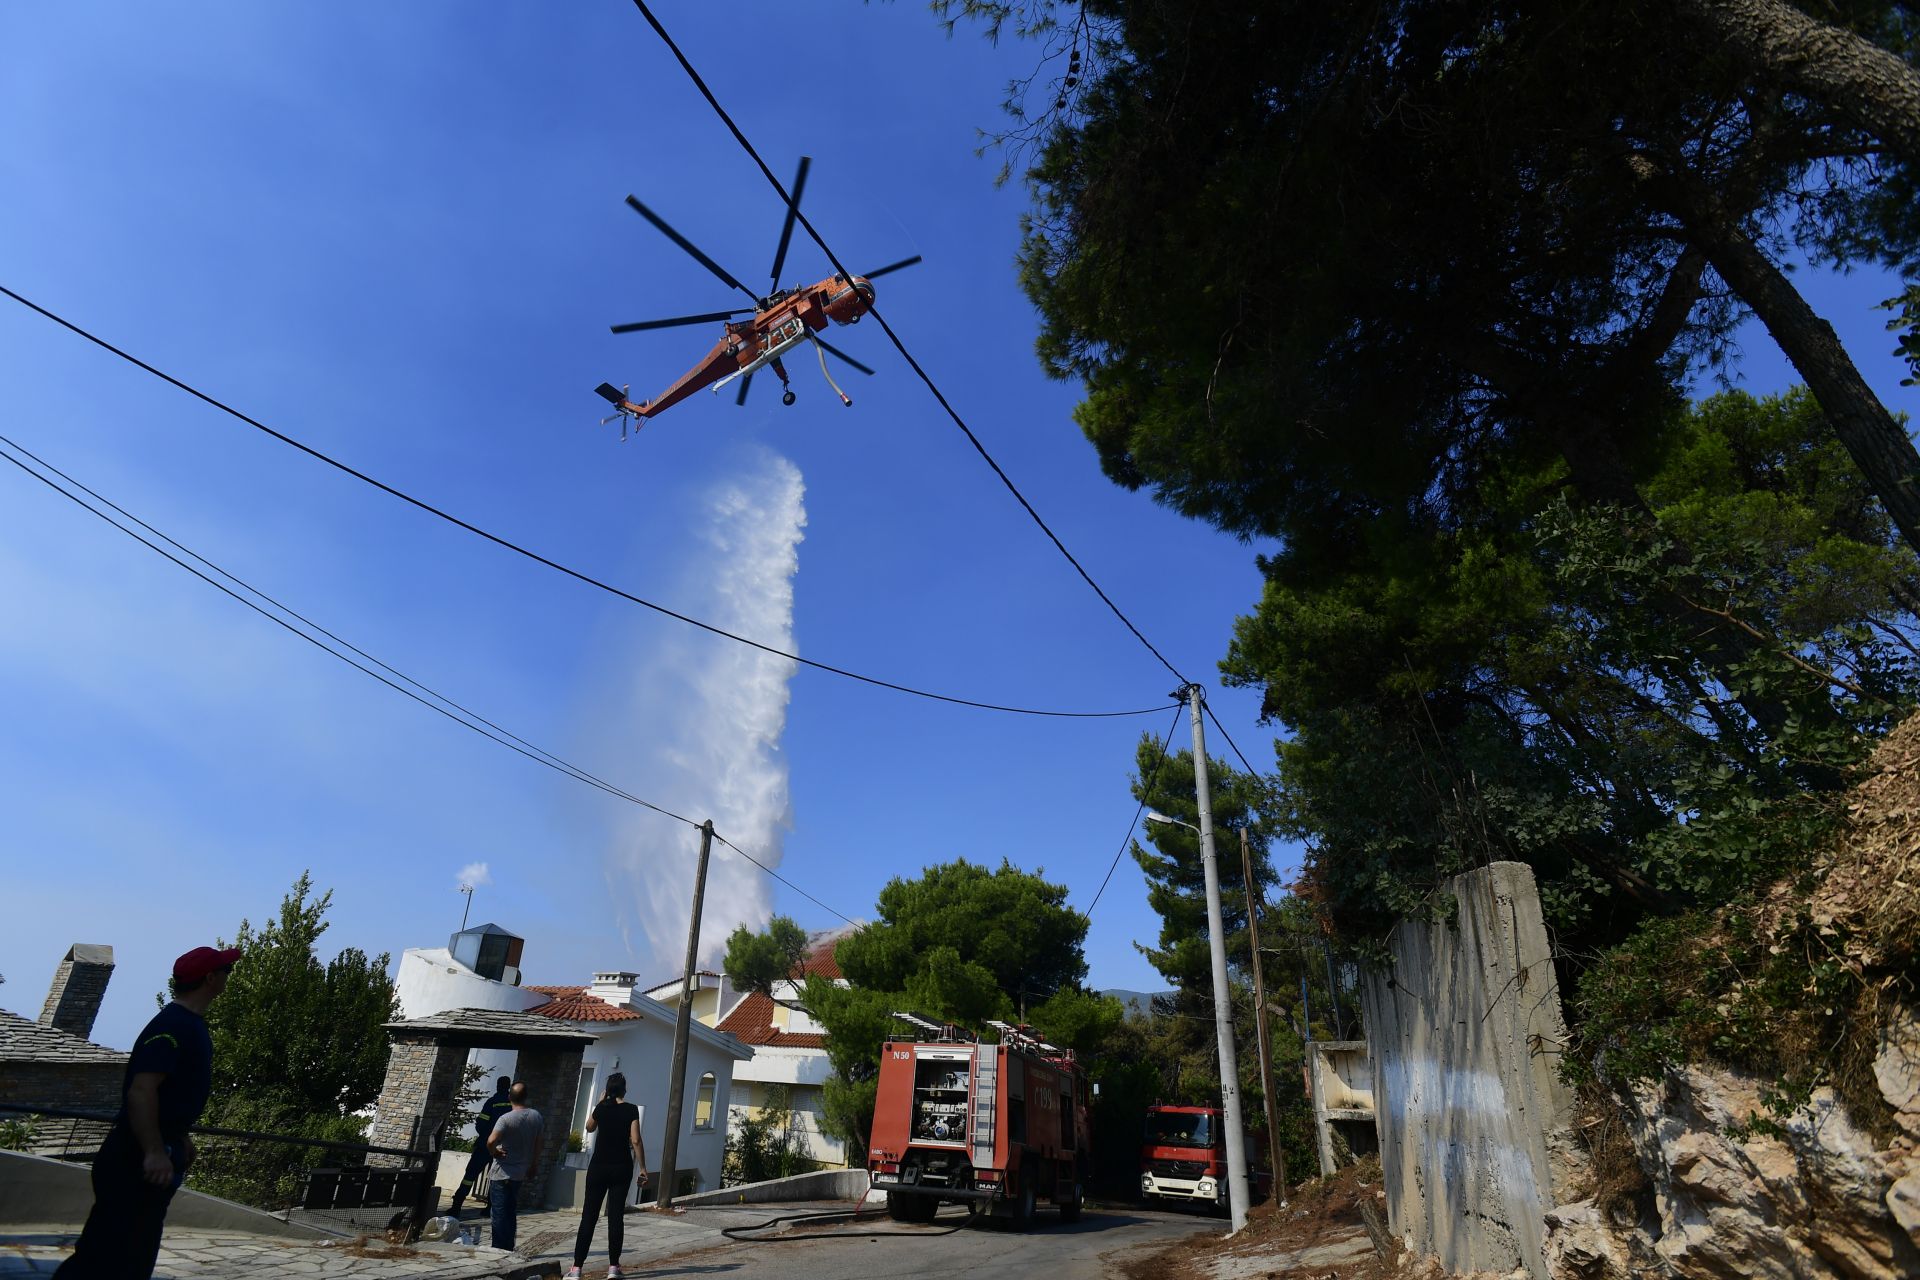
{"x": 552, "y": 1077}
{"x": 423, "y": 1079}
{"x": 73, "y": 1001}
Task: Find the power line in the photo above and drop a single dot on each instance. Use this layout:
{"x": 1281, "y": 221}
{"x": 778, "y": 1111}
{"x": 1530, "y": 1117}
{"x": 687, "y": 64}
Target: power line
{"x": 459, "y": 714}
{"x": 726, "y": 119}
{"x": 783, "y": 880}
{"x": 1229, "y": 737}
{"x": 535, "y": 556}
{"x": 1146, "y": 790}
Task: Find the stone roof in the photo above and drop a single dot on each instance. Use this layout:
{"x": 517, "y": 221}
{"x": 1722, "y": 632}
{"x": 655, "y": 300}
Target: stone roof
{"x": 751, "y": 1022}
{"x": 24, "y": 1040}
{"x": 483, "y": 1027}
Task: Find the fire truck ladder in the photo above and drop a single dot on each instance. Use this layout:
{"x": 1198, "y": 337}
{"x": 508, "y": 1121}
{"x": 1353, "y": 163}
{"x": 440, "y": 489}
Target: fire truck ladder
{"x": 981, "y": 1106}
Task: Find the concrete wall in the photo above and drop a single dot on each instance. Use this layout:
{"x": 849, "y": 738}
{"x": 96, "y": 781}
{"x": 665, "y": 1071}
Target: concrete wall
{"x": 54, "y": 1193}
{"x": 1466, "y": 1032}
{"x": 826, "y": 1184}
{"x": 1342, "y": 1090}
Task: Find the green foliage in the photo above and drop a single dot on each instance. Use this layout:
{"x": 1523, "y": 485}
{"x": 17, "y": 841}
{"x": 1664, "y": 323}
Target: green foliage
{"x": 1905, "y": 306}
{"x": 1638, "y": 701}
{"x": 765, "y": 1144}
{"x": 289, "y": 1024}
{"x": 1760, "y": 986}
{"x": 265, "y": 1174}
{"x": 1176, "y": 878}
{"x": 1013, "y": 927}
{"x": 298, "y": 1047}
{"x": 962, "y": 943}
{"x": 16, "y": 1133}
{"x": 1077, "y": 1020}
{"x": 755, "y": 961}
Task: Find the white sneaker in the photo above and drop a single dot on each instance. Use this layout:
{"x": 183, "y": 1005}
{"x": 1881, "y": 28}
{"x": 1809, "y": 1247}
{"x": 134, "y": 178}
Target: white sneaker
{"x": 573, "y": 1273}
{"x": 614, "y": 1272}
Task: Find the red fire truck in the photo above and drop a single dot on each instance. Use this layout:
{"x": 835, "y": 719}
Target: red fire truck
{"x": 1184, "y": 1157}
{"x": 1002, "y": 1127}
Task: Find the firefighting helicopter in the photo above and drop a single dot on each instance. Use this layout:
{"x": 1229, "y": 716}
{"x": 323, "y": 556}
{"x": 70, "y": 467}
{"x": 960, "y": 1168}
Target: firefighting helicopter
{"x": 778, "y": 322}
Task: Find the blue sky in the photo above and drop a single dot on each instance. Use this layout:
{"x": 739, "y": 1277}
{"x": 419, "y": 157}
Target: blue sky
{"x": 397, "y": 232}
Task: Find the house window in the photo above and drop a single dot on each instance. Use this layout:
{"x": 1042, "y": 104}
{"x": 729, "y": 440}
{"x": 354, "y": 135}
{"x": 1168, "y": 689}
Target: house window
{"x": 583, "y": 1099}
{"x": 703, "y": 1103}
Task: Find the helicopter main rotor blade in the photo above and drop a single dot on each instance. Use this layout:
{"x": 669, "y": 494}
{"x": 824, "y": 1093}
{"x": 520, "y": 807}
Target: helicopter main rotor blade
{"x": 669, "y": 323}
{"x": 832, "y": 350}
{"x": 744, "y": 384}
{"x": 894, "y": 266}
{"x": 793, "y": 211}
{"x": 668, "y": 231}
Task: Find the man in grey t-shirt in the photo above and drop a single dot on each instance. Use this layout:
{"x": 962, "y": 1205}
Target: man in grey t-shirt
{"x": 515, "y": 1143}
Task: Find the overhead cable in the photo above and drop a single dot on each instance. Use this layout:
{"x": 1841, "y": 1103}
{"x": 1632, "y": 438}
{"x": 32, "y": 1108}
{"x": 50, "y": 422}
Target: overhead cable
{"x": 1146, "y": 789}
{"x": 786, "y": 199}
{"x": 1244, "y": 764}
{"x": 399, "y": 681}
{"x": 535, "y": 556}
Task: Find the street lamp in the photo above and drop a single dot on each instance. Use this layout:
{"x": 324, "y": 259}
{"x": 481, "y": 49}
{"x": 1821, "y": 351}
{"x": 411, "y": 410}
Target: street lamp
{"x": 1156, "y": 816}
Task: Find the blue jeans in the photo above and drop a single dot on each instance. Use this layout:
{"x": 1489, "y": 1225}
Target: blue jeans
{"x": 503, "y": 1202}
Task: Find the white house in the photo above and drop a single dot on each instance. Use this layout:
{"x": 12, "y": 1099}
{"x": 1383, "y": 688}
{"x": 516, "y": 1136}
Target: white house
{"x": 632, "y": 1035}
{"x": 788, "y": 1045}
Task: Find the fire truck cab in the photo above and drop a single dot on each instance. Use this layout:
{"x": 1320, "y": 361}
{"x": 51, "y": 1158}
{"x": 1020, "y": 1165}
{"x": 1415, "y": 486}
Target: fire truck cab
{"x": 1002, "y": 1127}
{"x": 1183, "y": 1156}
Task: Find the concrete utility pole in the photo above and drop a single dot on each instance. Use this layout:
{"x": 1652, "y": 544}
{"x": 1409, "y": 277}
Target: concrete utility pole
{"x": 677, "y": 1075}
{"x": 1222, "y": 995}
{"x": 1260, "y": 1021}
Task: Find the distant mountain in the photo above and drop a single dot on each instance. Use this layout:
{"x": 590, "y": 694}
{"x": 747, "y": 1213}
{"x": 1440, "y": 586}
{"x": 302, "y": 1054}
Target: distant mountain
{"x": 1140, "y": 1002}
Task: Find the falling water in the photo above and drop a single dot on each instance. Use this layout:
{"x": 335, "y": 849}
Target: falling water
{"x": 713, "y": 715}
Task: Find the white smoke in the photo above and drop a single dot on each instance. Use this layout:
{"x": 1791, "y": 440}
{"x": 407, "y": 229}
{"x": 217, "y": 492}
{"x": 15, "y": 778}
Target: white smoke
{"x": 711, "y": 714}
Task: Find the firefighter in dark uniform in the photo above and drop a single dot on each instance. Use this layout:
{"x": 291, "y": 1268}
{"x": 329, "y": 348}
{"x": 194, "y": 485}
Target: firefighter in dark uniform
{"x": 495, "y": 1107}
{"x": 145, "y": 1158}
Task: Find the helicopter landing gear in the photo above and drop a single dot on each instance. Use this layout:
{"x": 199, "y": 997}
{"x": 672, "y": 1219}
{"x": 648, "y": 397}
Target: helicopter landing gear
{"x": 787, "y": 397}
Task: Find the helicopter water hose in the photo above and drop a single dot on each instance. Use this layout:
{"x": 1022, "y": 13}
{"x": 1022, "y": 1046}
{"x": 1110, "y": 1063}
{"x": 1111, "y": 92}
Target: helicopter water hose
{"x": 822, "y": 353}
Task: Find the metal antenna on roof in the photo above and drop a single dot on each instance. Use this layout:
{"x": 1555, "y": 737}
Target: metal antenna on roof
{"x": 468, "y": 890}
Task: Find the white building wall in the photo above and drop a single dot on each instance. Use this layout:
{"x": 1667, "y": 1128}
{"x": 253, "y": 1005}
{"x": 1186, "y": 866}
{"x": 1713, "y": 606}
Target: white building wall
{"x": 644, "y": 1052}
{"x": 431, "y": 981}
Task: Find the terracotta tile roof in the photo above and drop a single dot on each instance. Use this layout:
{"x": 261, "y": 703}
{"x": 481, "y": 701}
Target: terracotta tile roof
{"x": 751, "y": 1022}
{"x": 574, "y": 1005}
{"x": 822, "y": 960}
{"x": 555, "y": 991}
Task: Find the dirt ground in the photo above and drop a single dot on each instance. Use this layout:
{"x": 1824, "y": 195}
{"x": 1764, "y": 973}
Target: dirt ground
{"x": 1319, "y": 1235}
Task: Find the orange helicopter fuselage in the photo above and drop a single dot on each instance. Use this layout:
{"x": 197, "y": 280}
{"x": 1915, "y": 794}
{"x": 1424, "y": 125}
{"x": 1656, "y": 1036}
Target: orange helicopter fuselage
{"x": 781, "y": 324}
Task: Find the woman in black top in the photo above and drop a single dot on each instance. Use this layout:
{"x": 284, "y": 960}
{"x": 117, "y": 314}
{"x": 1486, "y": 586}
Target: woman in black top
{"x": 616, "y": 1156}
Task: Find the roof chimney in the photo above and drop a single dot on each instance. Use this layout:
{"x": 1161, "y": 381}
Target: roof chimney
{"x": 73, "y": 1001}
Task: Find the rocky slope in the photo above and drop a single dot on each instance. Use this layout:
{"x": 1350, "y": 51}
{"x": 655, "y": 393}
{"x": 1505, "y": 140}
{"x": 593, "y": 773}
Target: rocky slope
{"x": 1812, "y": 1194}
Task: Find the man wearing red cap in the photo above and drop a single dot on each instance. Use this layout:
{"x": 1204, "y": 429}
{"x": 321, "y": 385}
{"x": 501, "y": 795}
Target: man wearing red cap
{"x": 146, "y": 1154}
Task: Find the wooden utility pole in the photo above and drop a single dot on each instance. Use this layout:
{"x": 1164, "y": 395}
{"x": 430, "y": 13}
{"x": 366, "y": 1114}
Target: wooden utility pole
{"x": 677, "y": 1076}
{"x": 1260, "y": 1022}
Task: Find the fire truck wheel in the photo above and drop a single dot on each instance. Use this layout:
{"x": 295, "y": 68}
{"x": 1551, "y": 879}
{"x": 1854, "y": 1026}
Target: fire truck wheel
{"x": 909, "y": 1208}
{"x": 1023, "y": 1212}
{"x": 1070, "y": 1209}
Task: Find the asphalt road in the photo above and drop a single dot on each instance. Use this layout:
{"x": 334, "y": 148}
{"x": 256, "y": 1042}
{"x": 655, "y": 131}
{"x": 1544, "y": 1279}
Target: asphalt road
{"x": 1087, "y": 1250}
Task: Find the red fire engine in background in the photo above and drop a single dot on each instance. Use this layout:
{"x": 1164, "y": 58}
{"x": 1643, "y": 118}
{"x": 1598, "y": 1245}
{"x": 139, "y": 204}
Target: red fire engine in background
{"x": 1002, "y": 1127}
{"x": 1183, "y": 1157}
